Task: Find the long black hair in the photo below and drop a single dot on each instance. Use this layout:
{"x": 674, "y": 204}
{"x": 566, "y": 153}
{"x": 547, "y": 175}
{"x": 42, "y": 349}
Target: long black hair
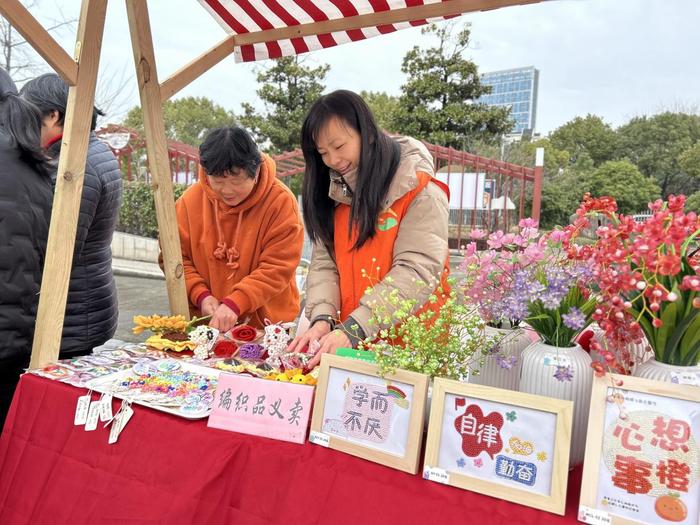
{"x": 49, "y": 92}
{"x": 379, "y": 159}
{"x": 21, "y": 120}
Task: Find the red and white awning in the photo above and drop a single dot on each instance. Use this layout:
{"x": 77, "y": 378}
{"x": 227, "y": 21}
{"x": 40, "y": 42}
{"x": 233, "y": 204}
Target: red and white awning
{"x": 251, "y": 16}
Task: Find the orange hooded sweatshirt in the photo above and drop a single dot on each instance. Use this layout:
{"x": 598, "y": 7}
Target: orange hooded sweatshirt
{"x": 246, "y": 255}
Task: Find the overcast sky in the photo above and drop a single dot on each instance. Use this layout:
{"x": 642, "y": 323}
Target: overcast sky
{"x": 613, "y": 58}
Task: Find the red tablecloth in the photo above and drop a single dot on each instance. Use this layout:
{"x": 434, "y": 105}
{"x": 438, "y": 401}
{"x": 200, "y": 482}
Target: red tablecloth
{"x": 166, "y": 469}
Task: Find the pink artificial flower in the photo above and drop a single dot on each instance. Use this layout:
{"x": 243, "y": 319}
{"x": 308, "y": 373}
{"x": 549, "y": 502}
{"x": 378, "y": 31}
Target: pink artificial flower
{"x": 496, "y": 240}
{"x": 477, "y": 234}
{"x": 528, "y": 223}
{"x": 470, "y": 249}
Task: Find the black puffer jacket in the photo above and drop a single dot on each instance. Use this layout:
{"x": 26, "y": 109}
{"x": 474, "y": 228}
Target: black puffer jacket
{"x": 25, "y": 212}
{"x": 91, "y": 312}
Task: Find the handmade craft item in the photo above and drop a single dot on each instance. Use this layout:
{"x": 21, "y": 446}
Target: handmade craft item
{"x": 275, "y": 342}
{"x": 204, "y": 337}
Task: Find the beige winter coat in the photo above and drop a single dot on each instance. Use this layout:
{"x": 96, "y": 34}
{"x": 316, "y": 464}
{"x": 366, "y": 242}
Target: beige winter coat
{"x": 420, "y": 249}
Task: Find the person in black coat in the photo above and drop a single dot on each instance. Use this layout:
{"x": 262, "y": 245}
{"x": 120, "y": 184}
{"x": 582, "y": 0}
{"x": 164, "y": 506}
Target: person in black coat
{"x": 26, "y": 196}
{"x": 91, "y": 311}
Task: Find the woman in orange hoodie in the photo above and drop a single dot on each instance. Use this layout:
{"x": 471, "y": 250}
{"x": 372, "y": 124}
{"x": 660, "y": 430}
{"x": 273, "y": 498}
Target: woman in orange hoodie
{"x": 241, "y": 235}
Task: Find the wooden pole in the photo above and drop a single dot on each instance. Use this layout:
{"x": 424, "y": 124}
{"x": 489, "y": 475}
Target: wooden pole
{"x": 69, "y": 186}
{"x": 40, "y": 39}
{"x": 157, "y": 151}
{"x": 196, "y": 68}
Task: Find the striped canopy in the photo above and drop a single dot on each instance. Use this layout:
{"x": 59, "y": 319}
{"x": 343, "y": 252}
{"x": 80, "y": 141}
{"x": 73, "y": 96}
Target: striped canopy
{"x": 247, "y": 17}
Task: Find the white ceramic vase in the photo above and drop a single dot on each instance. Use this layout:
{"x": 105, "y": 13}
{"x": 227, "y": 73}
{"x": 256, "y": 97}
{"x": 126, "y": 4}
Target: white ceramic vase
{"x": 512, "y": 343}
{"x": 540, "y": 362}
{"x": 652, "y": 369}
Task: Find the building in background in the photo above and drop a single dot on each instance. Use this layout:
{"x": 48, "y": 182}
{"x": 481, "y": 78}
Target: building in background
{"x": 517, "y": 89}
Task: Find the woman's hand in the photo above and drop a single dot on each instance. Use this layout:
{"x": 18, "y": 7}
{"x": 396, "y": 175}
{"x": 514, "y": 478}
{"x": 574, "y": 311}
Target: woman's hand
{"x": 209, "y": 306}
{"x": 318, "y": 330}
{"x": 223, "y": 318}
{"x": 329, "y": 344}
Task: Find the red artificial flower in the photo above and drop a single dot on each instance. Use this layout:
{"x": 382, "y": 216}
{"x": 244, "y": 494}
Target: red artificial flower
{"x": 669, "y": 264}
{"x": 244, "y": 333}
{"x": 225, "y": 348}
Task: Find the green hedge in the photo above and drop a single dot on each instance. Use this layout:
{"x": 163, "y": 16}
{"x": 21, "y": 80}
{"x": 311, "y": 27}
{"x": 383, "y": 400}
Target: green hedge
{"x": 138, "y": 212}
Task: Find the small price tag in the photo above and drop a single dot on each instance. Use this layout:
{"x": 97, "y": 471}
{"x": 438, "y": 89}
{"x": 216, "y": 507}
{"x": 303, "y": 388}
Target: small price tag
{"x": 119, "y": 422}
{"x": 81, "y": 409}
{"x": 93, "y": 414}
{"x": 436, "y": 474}
{"x": 685, "y": 378}
{"x": 106, "y": 407}
{"x": 593, "y": 516}
{"x": 319, "y": 438}
{"x": 557, "y": 360}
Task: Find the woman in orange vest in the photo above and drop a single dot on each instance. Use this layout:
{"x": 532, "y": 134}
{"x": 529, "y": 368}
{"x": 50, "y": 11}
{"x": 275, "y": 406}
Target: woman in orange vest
{"x": 376, "y": 215}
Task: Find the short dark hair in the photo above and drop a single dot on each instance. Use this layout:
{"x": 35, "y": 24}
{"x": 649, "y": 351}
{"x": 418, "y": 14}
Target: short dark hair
{"x": 227, "y": 148}
{"x": 49, "y": 92}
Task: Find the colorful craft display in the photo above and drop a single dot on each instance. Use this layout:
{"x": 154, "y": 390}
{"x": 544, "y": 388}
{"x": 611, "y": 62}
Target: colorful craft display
{"x": 107, "y": 360}
{"x": 166, "y": 383}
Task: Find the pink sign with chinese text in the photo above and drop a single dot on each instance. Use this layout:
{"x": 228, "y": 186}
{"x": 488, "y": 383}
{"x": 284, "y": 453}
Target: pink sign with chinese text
{"x": 261, "y": 407}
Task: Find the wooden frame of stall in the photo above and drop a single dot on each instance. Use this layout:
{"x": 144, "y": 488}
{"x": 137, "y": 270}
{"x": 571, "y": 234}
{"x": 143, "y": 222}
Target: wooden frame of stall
{"x": 80, "y": 72}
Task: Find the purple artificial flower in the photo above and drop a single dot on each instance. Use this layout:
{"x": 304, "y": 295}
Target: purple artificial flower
{"x": 506, "y": 362}
{"x": 564, "y": 373}
{"x": 574, "y": 318}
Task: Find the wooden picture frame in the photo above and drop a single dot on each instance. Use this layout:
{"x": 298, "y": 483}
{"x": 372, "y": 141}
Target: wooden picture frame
{"x": 649, "y": 444}
{"x": 402, "y": 394}
{"x": 490, "y": 466}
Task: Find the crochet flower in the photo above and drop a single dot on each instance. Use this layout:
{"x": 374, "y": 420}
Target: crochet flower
{"x": 564, "y": 373}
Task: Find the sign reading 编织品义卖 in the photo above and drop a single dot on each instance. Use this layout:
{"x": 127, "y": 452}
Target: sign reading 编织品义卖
{"x": 506, "y": 444}
{"x": 642, "y": 451}
{"x": 261, "y": 407}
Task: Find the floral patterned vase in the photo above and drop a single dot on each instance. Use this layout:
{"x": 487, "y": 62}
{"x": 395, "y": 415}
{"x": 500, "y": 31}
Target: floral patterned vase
{"x": 501, "y": 368}
{"x": 652, "y": 369}
{"x": 562, "y": 373}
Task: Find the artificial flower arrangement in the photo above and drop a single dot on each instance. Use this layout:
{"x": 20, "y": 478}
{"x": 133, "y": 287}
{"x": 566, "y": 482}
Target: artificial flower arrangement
{"x": 647, "y": 274}
{"x": 553, "y": 295}
{"x": 488, "y": 283}
{"x": 529, "y": 277}
{"x": 488, "y": 274}
{"x": 443, "y": 343}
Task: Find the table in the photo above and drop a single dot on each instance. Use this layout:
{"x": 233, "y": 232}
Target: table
{"x": 165, "y": 469}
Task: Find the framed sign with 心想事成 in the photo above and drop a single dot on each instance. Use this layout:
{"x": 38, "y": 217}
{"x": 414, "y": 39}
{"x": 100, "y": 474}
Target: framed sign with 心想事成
{"x": 510, "y": 445}
{"x": 642, "y": 461}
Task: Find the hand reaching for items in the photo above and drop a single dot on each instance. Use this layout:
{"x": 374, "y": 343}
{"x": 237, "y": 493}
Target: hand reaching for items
{"x": 329, "y": 344}
{"x": 318, "y": 330}
{"x": 223, "y": 318}
{"x": 209, "y": 306}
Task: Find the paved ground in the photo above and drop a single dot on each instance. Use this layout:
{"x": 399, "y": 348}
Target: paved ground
{"x": 138, "y": 296}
